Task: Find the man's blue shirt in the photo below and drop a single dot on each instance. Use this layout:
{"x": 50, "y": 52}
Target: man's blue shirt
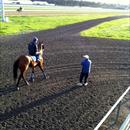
{"x": 86, "y": 66}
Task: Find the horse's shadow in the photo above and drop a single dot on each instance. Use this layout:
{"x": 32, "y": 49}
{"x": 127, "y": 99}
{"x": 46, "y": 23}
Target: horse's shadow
{"x": 6, "y": 90}
{"x": 18, "y": 110}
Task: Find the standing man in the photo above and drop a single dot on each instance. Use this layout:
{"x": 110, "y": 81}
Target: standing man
{"x": 86, "y": 68}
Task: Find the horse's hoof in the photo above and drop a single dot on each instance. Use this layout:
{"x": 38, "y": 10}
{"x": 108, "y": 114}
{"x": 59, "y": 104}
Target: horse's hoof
{"x": 31, "y": 79}
{"x": 44, "y": 77}
{"x": 47, "y": 77}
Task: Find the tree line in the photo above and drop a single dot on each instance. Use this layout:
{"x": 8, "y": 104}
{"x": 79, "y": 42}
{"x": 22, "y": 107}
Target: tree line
{"x": 84, "y": 4}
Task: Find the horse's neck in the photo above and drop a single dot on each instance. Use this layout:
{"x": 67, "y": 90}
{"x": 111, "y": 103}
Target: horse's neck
{"x": 41, "y": 52}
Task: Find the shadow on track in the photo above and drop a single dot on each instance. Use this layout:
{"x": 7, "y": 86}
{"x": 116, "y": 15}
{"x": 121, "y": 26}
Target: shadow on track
{"x": 18, "y": 110}
{"x": 7, "y": 89}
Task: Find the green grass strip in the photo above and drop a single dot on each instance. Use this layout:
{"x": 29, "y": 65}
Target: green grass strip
{"x": 116, "y": 29}
{"x": 25, "y": 24}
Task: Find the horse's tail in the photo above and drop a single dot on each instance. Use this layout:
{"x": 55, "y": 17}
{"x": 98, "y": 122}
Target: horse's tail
{"x": 15, "y": 68}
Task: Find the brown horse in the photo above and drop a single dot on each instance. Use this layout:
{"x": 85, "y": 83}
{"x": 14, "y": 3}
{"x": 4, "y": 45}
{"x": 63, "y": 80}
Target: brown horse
{"x": 26, "y": 61}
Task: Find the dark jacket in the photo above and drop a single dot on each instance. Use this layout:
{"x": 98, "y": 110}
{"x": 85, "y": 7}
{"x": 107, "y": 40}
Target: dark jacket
{"x": 32, "y": 48}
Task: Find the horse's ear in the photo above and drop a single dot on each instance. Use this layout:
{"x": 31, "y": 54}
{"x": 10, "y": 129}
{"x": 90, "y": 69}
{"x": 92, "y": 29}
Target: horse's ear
{"x": 40, "y": 42}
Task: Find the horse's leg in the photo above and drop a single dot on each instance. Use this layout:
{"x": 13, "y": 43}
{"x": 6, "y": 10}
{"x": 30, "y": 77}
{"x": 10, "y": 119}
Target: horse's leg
{"x": 27, "y": 83}
{"x": 21, "y": 76}
{"x": 32, "y": 76}
{"x": 41, "y": 67}
{"x": 18, "y": 81}
{"x": 23, "y": 70}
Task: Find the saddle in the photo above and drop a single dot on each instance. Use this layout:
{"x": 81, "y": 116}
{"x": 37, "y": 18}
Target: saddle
{"x": 34, "y": 62}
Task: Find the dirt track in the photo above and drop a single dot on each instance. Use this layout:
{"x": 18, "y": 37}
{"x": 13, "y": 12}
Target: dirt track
{"x": 57, "y": 103}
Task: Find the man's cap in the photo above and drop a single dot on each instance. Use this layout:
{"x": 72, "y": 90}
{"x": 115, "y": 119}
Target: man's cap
{"x": 86, "y": 56}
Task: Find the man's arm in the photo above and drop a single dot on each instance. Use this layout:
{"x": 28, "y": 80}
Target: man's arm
{"x": 90, "y": 62}
{"x": 37, "y": 51}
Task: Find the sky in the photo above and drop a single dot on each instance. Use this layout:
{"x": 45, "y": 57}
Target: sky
{"x": 122, "y": 2}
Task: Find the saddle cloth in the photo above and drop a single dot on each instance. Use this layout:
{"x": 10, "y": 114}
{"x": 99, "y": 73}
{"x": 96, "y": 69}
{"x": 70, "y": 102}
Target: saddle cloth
{"x": 34, "y": 58}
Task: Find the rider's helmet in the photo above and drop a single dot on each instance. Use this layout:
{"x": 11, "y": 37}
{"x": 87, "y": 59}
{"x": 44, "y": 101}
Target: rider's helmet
{"x": 35, "y": 40}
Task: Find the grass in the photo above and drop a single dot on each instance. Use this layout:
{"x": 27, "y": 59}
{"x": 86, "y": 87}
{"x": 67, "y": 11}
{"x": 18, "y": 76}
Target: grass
{"x": 24, "y": 24}
{"x": 36, "y": 18}
{"x": 116, "y": 29}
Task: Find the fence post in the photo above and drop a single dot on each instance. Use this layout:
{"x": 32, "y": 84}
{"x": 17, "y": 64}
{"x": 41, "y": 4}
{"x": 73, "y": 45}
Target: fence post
{"x": 2, "y": 10}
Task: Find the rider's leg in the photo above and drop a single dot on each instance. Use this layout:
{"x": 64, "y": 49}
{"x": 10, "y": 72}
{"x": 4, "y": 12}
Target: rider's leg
{"x": 37, "y": 57}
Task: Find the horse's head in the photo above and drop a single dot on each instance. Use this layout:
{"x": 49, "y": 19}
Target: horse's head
{"x": 40, "y": 45}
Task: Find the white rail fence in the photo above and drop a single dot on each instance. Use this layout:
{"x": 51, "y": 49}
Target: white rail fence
{"x": 126, "y": 124}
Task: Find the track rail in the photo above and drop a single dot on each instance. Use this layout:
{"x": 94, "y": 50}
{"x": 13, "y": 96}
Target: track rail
{"x": 111, "y": 110}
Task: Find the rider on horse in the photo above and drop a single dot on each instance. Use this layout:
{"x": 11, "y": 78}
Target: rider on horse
{"x": 23, "y": 62}
{"x": 33, "y": 49}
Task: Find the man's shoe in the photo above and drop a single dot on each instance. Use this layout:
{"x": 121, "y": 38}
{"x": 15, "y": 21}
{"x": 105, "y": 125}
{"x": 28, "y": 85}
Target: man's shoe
{"x": 79, "y": 84}
{"x": 85, "y": 84}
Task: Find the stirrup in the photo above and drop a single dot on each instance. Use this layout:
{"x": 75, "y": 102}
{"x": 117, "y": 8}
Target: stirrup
{"x": 31, "y": 79}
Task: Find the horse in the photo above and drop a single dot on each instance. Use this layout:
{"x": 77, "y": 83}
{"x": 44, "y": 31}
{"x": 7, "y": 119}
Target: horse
{"x": 23, "y": 62}
{"x": 19, "y": 9}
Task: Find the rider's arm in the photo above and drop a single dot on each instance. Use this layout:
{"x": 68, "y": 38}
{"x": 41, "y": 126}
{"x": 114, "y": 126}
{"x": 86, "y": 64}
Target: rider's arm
{"x": 37, "y": 52}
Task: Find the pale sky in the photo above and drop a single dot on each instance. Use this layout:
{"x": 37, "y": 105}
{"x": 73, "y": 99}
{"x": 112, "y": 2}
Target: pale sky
{"x": 124, "y": 2}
